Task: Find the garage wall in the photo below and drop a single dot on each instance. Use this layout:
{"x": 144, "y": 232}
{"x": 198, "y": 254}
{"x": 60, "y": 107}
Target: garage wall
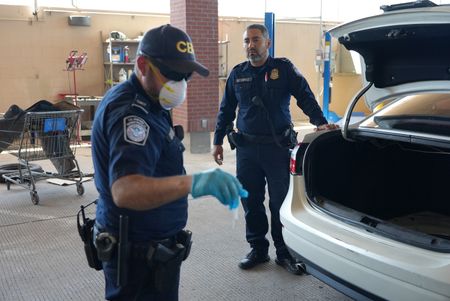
{"x": 33, "y": 54}
{"x": 298, "y": 42}
{"x": 345, "y": 86}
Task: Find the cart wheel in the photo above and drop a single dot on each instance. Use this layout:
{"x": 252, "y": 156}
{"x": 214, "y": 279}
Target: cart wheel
{"x": 8, "y": 185}
{"x": 80, "y": 189}
{"x": 34, "y": 197}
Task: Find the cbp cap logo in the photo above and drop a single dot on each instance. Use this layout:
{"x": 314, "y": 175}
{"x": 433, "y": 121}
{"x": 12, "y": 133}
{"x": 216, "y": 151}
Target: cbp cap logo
{"x": 185, "y": 47}
{"x": 136, "y": 130}
{"x": 172, "y": 48}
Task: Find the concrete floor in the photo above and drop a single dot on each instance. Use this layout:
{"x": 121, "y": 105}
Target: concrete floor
{"x": 42, "y": 257}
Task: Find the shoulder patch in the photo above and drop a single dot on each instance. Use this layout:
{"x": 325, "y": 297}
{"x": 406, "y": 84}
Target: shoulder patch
{"x": 135, "y": 130}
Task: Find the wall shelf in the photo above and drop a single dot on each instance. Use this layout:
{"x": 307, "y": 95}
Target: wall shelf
{"x": 118, "y": 63}
{"x": 114, "y": 58}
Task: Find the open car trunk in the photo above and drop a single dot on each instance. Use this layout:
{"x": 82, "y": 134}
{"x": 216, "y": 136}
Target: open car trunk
{"x": 395, "y": 189}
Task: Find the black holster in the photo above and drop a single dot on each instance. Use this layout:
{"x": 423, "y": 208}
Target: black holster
{"x": 184, "y": 237}
{"x": 85, "y": 230}
{"x": 289, "y": 139}
{"x": 231, "y": 140}
{"x": 89, "y": 248}
{"x": 164, "y": 261}
{"x": 234, "y": 138}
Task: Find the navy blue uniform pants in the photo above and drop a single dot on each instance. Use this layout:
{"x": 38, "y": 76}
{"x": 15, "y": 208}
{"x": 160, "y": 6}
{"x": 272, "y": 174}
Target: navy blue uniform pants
{"x": 138, "y": 287}
{"x": 256, "y": 164}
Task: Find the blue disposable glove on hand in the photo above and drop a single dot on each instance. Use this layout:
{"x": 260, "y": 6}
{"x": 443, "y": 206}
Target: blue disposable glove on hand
{"x": 225, "y": 187}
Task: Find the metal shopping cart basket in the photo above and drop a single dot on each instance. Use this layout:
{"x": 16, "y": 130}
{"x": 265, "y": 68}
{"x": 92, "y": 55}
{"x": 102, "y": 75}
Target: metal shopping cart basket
{"x": 45, "y": 135}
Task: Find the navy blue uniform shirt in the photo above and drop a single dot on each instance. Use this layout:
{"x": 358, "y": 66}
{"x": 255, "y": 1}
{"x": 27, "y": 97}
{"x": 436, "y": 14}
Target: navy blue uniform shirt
{"x": 133, "y": 135}
{"x": 274, "y": 83}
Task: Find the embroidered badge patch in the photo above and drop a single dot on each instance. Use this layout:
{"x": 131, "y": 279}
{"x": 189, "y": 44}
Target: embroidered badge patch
{"x": 135, "y": 130}
{"x": 274, "y": 74}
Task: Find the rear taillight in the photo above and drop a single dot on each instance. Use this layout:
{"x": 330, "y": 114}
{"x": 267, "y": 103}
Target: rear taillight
{"x": 293, "y": 162}
{"x": 297, "y": 155}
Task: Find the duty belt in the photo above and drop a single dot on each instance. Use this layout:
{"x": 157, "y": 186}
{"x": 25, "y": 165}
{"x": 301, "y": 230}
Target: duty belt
{"x": 261, "y": 139}
{"x": 139, "y": 250}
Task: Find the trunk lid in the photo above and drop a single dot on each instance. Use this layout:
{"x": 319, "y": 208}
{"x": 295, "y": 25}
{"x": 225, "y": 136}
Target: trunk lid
{"x": 404, "y": 51}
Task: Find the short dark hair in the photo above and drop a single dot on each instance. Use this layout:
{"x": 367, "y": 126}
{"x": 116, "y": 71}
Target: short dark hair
{"x": 261, "y": 28}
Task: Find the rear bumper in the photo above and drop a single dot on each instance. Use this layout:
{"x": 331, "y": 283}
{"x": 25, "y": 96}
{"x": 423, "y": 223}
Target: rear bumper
{"x": 334, "y": 281}
{"x": 351, "y": 278}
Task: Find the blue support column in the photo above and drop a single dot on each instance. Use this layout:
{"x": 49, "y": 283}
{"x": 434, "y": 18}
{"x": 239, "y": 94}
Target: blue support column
{"x": 269, "y": 21}
{"x": 326, "y": 75}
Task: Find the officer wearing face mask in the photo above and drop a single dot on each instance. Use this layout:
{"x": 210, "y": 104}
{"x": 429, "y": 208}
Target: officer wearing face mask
{"x": 139, "y": 174}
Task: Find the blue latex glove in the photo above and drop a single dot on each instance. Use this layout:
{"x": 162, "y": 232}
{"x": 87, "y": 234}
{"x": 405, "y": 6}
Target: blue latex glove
{"x": 225, "y": 187}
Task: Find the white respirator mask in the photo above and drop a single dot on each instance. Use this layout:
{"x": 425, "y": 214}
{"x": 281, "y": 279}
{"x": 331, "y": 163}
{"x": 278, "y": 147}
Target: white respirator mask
{"x": 172, "y": 94}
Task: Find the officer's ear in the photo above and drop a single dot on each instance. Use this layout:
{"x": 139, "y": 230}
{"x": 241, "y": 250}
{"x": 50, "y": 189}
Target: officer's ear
{"x": 268, "y": 43}
{"x": 142, "y": 65}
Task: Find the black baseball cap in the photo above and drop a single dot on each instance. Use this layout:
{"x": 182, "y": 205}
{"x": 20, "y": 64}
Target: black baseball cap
{"x": 173, "y": 48}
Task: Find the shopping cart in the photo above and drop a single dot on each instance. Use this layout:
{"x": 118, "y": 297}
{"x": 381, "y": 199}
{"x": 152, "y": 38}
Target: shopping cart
{"x": 45, "y": 136}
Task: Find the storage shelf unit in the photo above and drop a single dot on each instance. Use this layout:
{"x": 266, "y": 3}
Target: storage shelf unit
{"x": 112, "y": 63}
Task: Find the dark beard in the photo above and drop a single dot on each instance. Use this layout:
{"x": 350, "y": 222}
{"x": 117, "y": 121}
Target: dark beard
{"x": 255, "y": 58}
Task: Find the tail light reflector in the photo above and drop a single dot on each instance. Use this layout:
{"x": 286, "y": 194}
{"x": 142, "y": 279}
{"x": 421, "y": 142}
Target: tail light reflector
{"x": 293, "y": 162}
{"x": 297, "y": 155}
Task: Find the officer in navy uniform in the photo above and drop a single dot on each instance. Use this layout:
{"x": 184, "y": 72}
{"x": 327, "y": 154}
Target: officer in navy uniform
{"x": 262, "y": 87}
{"x": 139, "y": 171}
